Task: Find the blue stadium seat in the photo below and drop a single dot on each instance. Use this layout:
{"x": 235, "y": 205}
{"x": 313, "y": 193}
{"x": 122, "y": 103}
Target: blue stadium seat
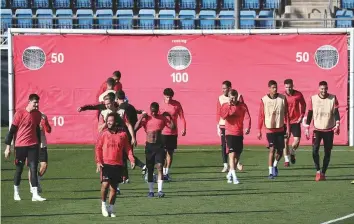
{"x": 227, "y": 19}
{"x": 347, "y": 4}
{"x": 3, "y": 4}
{"x": 250, "y": 23}
{"x": 187, "y": 19}
{"x": 228, "y": 4}
{"x": 167, "y": 22}
{"x": 19, "y": 4}
{"x": 6, "y": 19}
{"x": 187, "y": 4}
{"x": 271, "y": 4}
{"x": 40, "y": 4}
{"x": 58, "y": 4}
{"x": 207, "y": 19}
{"x": 167, "y": 4}
{"x": 146, "y": 4}
{"x": 344, "y": 14}
{"x": 148, "y": 21}
{"x": 84, "y": 18}
{"x": 65, "y": 18}
{"x": 24, "y": 18}
{"x": 266, "y": 24}
{"x": 44, "y": 18}
{"x": 125, "y": 4}
{"x": 82, "y": 4}
{"x": 104, "y": 4}
{"x": 209, "y": 4}
{"x": 105, "y": 18}
{"x": 126, "y": 22}
{"x": 250, "y": 4}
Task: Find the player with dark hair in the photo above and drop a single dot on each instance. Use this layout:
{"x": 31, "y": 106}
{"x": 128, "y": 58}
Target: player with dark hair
{"x": 117, "y": 86}
{"x": 220, "y": 127}
{"x": 109, "y": 160}
{"x": 273, "y": 114}
{"x": 26, "y": 131}
{"x": 323, "y": 109}
{"x": 234, "y": 113}
{"x": 174, "y": 108}
{"x": 100, "y": 106}
{"x": 296, "y": 109}
{"x": 155, "y": 153}
{"x": 109, "y": 89}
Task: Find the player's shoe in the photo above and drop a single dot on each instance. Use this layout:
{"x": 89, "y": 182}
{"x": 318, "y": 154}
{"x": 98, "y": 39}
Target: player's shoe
{"x": 235, "y": 181}
{"x": 104, "y": 211}
{"x": 322, "y": 177}
{"x": 318, "y": 176}
{"x": 352, "y": 182}
{"x": 127, "y": 181}
{"x": 229, "y": 178}
{"x": 17, "y": 197}
{"x": 271, "y": 176}
{"x": 292, "y": 159}
{"x": 167, "y": 177}
{"x": 224, "y": 170}
{"x": 160, "y": 194}
{"x": 112, "y": 215}
{"x": 144, "y": 170}
{"x": 118, "y": 191}
{"x": 111, "y": 212}
{"x": 151, "y": 194}
{"x": 239, "y": 166}
{"x": 37, "y": 198}
{"x": 286, "y": 164}
{"x": 275, "y": 171}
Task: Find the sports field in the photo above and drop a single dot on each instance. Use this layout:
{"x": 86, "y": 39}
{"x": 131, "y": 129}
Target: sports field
{"x": 198, "y": 193}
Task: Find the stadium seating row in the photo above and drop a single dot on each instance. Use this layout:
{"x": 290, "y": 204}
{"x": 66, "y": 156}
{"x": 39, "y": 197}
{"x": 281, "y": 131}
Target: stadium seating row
{"x": 125, "y": 19}
{"x": 344, "y": 14}
{"x": 143, "y": 4}
{"x": 347, "y": 4}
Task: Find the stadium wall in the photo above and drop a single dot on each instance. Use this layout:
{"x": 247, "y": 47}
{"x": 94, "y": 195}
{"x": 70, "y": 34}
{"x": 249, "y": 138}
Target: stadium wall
{"x": 66, "y": 70}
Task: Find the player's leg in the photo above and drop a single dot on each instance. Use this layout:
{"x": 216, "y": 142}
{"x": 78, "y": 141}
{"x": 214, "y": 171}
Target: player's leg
{"x": 33, "y": 158}
{"x": 170, "y": 146}
{"x": 115, "y": 176}
{"x": 286, "y": 150}
{"x": 316, "y": 141}
{"x": 296, "y": 132}
{"x": 279, "y": 145}
{"x": 43, "y": 166}
{"x": 104, "y": 188}
{"x": 230, "y": 152}
{"x": 20, "y": 159}
{"x": 238, "y": 152}
{"x": 150, "y": 162}
{"x": 160, "y": 157}
{"x": 270, "y": 139}
{"x": 223, "y": 149}
{"x": 327, "y": 145}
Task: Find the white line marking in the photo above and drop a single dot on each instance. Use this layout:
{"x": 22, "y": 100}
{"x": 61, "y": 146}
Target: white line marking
{"x": 339, "y": 219}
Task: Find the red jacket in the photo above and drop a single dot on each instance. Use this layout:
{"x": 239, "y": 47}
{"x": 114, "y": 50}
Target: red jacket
{"x": 118, "y": 86}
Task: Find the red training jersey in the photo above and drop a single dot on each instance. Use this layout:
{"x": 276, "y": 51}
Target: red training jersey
{"x": 118, "y": 86}
{"x": 27, "y": 123}
{"x": 296, "y": 106}
{"x": 110, "y": 146}
{"x": 174, "y": 108}
{"x": 221, "y": 100}
{"x": 234, "y": 116}
{"x": 157, "y": 123}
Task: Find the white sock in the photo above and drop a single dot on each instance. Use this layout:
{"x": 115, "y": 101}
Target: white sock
{"x": 151, "y": 186}
{"x": 159, "y": 185}
{"x": 229, "y": 173}
{"x": 16, "y": 189}
{"x": 34, "y": 191}
{"x": 164, "y": 171}
{"x": 110, "y": 208}
{"x": 233, "y": 173}
{"x": 103, "y": 203}
{"x": 275, "y": 163}
{"x": 286, "y": 158}
{"x": 270, "y": 170}
{"x": 318, "y": 171}
{"x": 225, "y": 165}
{"x": 167, "y": 169}
{"x": 30, "y": 184}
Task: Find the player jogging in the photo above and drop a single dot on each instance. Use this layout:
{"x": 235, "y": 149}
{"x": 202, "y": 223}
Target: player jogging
{"x": 109, "y": 160}
{"x": 224, "y": 98}
{"x": 273, "y": 114}
{"x": 174, "y": 108}
{"x": 117, "y": 85}
{"x": 43, "y": 152}
{"x": 323, "y": 109}
{"x": 234, "y": 113}
{"x": 155, "y": 153}
{"x": 109, "y": 89}
{"x": 296, "y": 109}
{"x": 25, "y": 129}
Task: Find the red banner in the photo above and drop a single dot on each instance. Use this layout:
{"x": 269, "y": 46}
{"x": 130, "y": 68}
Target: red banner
{"x": 67, "y": 71}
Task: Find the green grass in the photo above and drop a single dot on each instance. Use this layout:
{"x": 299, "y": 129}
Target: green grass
{"x": 198, "y": 193}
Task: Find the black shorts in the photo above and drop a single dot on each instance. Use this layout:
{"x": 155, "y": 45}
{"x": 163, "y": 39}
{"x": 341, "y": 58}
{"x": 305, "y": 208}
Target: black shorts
{"x": 31, "y": 153}
{"x": 235, "y": 143}
{"x": 43, "y": 155}
{"x": 154, "y": 153}
{"x": 111, "y": 173}
{"x": 276, "y": 140}
{"x": 327, "y": 137}
{"x": 295, "y": 130}
{"x": 170, "y": 142}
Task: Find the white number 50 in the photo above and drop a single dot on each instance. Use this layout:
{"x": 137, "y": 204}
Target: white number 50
{"x": 57, "y": 58}
{"x": 302, "y": 56}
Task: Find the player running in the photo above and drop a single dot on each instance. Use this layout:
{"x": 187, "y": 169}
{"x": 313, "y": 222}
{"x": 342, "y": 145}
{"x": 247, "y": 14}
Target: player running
{"x": 174, "y": 108}
{"x": 155, "y": 153}
{"x": 117, "y": 85}
{"x": 323, "y": 108}
{"x": 224, "y": 98}
{"x": 43, "y": 152}
{"x": 273, "y": 114}
{"x": 110, "y": 84}
{"x": 296, "y": 109}
{"x": 234, "y": 113}
{"x": 25, "y": 127}
{"x": 109, "y": 159}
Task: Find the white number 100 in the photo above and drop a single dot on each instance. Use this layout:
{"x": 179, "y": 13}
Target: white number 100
{"x": 178, "y": 77}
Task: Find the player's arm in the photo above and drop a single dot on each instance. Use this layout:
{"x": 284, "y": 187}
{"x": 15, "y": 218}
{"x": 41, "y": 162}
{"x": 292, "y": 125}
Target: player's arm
{"x": 99, "y": 106}
{"x": 102, "y": 89}
{"x": 260, "y": 119}
{"x": 45, "y": 124}
{"x": 247, "y": 118}
{"x": 13, "y": 129}
{"x": 336, "y": 116}
{"x": 129, "y": 151}
{"x": 99, "y": 152}
{"x": 308, "y": 119}
{"x": 141, "y": 122}
{"x": 101, "y": 123}
{"x": 303, "y": 107}
{"x": 240, "y": 99}
{"x": 130, "y": 128}
{"x": 287, "y": 117}
{"x": 169, "y": 121}
{"x": 183, "y": 119}
{"x": 218, "y": 107}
